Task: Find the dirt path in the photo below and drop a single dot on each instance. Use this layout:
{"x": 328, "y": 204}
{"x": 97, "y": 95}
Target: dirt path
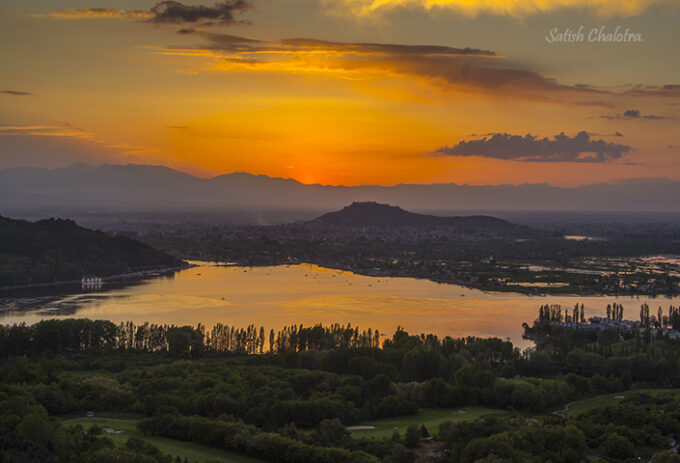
{"x": 563, "y": 412}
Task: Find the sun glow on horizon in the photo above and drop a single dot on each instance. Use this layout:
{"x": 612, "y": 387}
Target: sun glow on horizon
{"x": 295, "y": 93}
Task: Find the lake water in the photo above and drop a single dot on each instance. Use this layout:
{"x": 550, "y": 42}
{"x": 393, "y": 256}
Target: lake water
{"x": 274, "y": 297}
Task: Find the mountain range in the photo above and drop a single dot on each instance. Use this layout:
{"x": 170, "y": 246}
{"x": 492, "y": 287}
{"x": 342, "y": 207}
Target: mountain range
{"x": 143, "y": 187}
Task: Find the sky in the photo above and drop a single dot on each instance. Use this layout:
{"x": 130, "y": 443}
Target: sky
{"x": 347, "y": 91}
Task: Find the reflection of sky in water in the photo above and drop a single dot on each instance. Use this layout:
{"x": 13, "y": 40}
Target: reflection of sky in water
{"x": 285, "y": 295}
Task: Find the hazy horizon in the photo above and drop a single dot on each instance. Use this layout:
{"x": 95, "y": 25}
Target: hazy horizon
{"x": 206, "y": 176}
{"x": 134, "y": 187}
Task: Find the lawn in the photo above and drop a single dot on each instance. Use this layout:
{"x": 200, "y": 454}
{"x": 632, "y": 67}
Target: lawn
{"x": 196, "y": 453}
{"x": 581, "y": 406}
{"x": 431, "y": 418}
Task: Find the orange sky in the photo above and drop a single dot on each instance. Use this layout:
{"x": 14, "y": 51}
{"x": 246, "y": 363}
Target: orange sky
{"x": 369, "y": 95}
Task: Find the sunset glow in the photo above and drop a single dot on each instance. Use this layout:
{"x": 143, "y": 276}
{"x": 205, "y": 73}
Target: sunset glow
{"x": 333, "y": 98}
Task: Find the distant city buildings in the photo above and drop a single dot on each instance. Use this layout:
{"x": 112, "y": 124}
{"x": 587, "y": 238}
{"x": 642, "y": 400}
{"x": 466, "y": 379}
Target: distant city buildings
{"x": 624, "y": 327}
{"x": 91, "y": 283}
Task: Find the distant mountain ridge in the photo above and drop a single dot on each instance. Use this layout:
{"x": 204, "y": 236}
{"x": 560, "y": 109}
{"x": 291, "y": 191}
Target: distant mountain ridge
{"x": 56, "y": 250}
{"x": 372, "y": 214}
{"x": 143, "y": 187}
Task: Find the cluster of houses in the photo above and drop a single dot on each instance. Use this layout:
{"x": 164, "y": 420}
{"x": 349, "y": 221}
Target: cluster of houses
{"x": 91, "y": 282}
{"x": 622, "y": 326}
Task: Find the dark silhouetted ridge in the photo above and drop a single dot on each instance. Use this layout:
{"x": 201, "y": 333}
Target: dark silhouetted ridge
{"x": 59, "y": 250}
{"x": 372, "y": 214}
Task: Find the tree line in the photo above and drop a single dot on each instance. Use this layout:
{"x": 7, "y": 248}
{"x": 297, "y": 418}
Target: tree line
{"x": 549, "y": 313}
{"x": 554, "y": 313}
{"x": 83, "y": 334}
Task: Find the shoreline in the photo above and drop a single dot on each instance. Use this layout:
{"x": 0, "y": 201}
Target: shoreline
{"x": 119, "y": 276}
{"x": 191, "y": 263}
{"x": 486, "y": 289}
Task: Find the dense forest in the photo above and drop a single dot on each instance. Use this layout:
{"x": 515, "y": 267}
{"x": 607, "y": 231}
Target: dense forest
{"x": 57, "y": 250}
{"x": 288, "y": 396}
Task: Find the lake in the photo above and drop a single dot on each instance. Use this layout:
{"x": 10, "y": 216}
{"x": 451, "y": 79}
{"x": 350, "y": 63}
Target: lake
{"x": 274, "y": 297}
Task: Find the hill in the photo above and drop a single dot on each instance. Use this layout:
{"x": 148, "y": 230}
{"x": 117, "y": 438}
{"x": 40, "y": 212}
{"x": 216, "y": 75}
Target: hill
{"x": 135, "y": 187}
{"x": 59, "y": 250}
{"x": 372, "y": 214}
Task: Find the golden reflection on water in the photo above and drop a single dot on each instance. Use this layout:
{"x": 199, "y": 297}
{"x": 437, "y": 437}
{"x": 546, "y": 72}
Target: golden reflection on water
{"x": 277, "y": 296}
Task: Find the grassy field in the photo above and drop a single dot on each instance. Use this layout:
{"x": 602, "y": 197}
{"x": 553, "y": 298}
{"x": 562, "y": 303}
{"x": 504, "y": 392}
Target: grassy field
{"x": 581, "y": 406}
{"x": 195, "y": 452}
{"x": 429, "y": 417}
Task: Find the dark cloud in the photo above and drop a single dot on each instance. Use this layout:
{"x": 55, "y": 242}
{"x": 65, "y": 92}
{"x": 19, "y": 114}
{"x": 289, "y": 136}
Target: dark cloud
{"x": 633, "y": 114}
{"x": 468, "y": 69}
{"x": 234, "y": 43}
{"x": 15, "y": 93}
{"x": 450, "y": 68}
{"x": 670, "y": 90}
{"x": 618, "y": 134}
{"x": 172, "y": 12}
{"x": 388, "y": 48}
{"x": 528, "y": 148}
{"x": 164, "y": 12}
